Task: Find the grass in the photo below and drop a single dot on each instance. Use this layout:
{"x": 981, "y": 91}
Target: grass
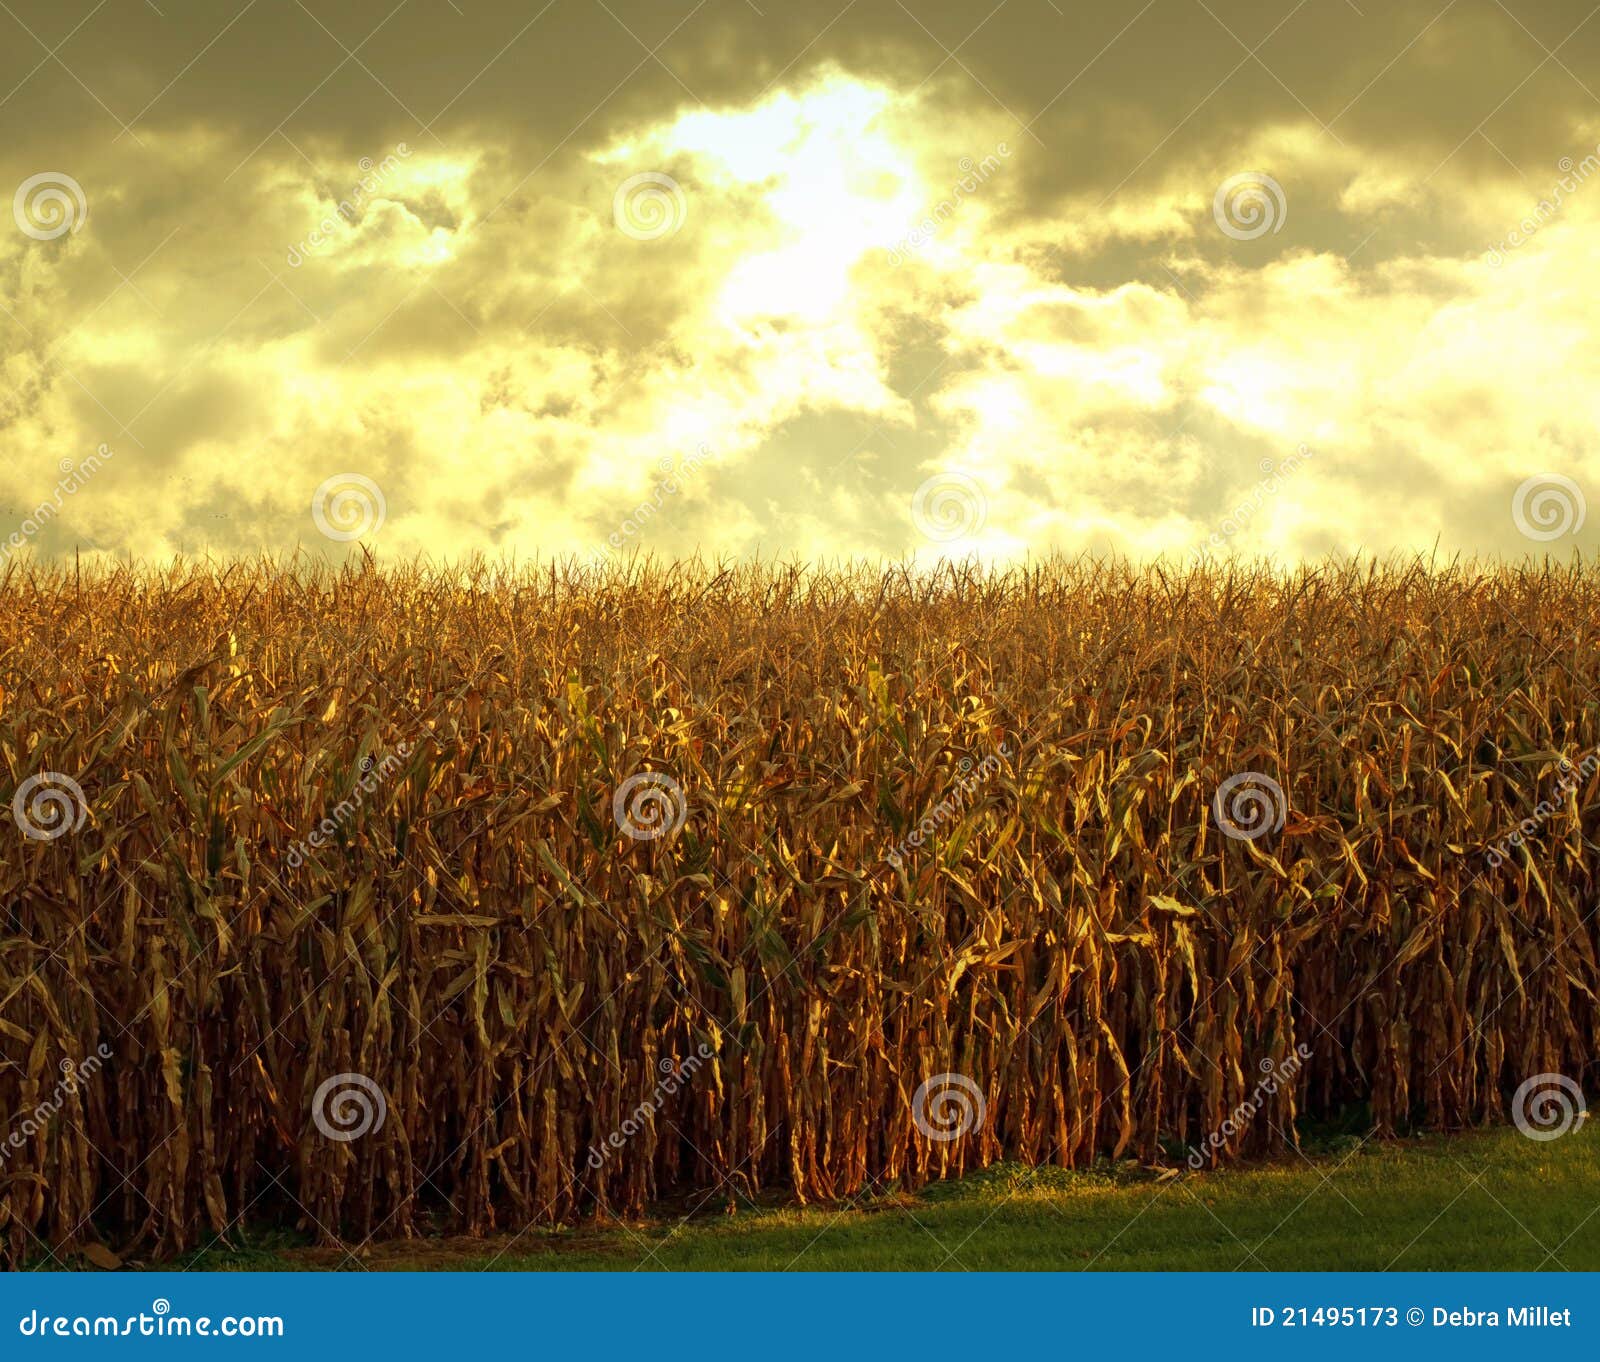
{"x": 1485, "y": 1201}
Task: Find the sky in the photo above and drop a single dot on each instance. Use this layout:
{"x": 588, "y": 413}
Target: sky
{"x": 843, "y": 278}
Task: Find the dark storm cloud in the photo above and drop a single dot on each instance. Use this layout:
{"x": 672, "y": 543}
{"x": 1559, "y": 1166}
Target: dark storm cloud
{"x": 1103, "y": 86}
{"x": 1109, "y": 101}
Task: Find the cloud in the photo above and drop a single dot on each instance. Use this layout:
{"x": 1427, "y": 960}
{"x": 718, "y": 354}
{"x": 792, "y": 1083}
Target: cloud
{"x": 895, "y": 247}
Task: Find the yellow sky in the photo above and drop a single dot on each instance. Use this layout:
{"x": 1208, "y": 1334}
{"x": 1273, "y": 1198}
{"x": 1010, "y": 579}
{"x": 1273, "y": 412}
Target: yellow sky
{"x": 840, "y": 279}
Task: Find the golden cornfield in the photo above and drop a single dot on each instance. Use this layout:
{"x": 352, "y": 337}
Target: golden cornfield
{"x": 367, "y": 823}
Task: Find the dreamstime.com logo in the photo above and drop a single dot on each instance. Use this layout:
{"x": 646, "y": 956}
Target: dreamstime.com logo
{"x": 948, "y": 506}
{"x": 948, "y": 808}
{"x": 648, "y": 805}
{"x": 1249, "y": 805}
{"x": 673, "y": 473}
{"x": 1238, "y": 519}
{"x": 74, "y": 474}
{"x": 49, "y": 205}
{"x": 1547, "y": 1106}
{"x": 649, "y": 207}
{"x": 974, "y": 174}
{"x": 373, "y": 775}
{"x": 1573, "y": 176}
{"x": 350, "y": 208}
{"x": 1273, "y": 1077}
{"x": 1548, "y": 506}
{"x": 1250, "y": 205}
{"x": 347, "y": 506}
{"x": 675, "y": 1073}
{"x": 70, "y": 1082}
{"x": 1571, "y": 778}
{"x": 49, "y": 805}
{"x": 948, "y": 1106}
{"x": 348, "y": 1106}
{"x": 159, "y": 1323}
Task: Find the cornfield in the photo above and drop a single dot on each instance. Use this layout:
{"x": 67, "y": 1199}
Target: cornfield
{"x": 489, "y": 854}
